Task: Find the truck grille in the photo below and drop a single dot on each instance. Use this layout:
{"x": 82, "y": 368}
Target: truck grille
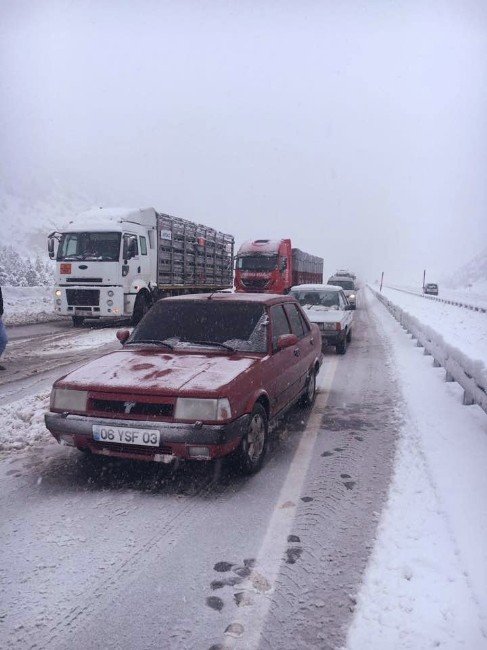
{"x": 83, "y": 297}
{"x": 256, "y": 284}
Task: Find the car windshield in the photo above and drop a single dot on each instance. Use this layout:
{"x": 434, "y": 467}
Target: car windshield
{"x": 257, "y": 262}
{"x": 223, "y": 325}
{"x": 344, "y": 284}
{"x": 92, "y": 246}
{"x": 316, "y": 298}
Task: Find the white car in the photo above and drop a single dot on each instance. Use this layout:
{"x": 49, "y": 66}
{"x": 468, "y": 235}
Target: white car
{"x": 328, "y": 307}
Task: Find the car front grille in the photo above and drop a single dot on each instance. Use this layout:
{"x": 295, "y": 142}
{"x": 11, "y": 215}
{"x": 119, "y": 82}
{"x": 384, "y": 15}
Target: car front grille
{"x": 132, "y": 409}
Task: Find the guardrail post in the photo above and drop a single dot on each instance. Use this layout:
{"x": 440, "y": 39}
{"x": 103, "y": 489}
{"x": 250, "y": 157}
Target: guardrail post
{"x": 467, "y": 399}
{"x": 448, "y": 376}
{"x": 436, "y": 364}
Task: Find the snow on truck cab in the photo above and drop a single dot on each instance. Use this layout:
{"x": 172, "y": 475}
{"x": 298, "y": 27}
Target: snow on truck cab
{"x": 273, "y": 266}
{"x": 115, "y": 262}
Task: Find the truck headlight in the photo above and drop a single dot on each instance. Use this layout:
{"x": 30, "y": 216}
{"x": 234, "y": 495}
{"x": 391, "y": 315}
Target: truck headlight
{"x": 192, "y": 408}
{"x": 352, "y": 296}
{"x": 110, "y": 293}
{"x": 65, "y": 399}
{"x": 57, "y": 293}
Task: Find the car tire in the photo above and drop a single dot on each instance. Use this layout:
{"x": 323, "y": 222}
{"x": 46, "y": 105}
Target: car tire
{"x": 341, "y": 347}
{"x": 141, "y": 308}
{"x": 349, "y": 336}
{"x": 78, "y": 321}
{"x": 252, "y": 449}
{"x": 309, "y": 394}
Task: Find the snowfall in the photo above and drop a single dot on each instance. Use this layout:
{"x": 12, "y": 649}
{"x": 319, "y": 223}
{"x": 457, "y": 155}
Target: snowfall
{"x": 426, "y": 582}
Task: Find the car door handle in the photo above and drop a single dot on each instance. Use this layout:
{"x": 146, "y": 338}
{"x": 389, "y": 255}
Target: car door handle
{"x": 297, "y": 352}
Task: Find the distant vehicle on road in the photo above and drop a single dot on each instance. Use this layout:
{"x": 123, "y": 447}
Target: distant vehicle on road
{"x": 200, "y": 377}
{"x": 273, "y": 266}
{"x": 345, "y": 273}
{"x": 431, "y": 288}
{"x": 328, "y": 307}
{"x": 348, "y": 285}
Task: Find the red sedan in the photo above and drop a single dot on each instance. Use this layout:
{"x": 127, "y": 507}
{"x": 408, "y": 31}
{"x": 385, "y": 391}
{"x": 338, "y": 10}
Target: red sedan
{"x": 200, "y": 377}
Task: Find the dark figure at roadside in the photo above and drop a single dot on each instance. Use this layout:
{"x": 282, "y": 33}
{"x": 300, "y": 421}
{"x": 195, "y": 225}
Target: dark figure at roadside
{"x": 3, "y": 332}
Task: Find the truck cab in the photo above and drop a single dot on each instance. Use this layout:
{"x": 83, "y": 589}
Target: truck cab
{"x": 105, "y": 264}
{"x": 264, "y": 266}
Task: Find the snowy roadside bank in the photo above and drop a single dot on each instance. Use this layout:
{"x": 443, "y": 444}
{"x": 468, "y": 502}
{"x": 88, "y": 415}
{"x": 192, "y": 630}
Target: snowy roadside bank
{"x": 23, "y": 422}
{"x": 425, "y": 582}
{"x": 26, "y": 305}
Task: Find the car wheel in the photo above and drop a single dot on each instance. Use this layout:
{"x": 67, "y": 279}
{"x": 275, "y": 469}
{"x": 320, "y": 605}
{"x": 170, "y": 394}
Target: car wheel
{"x": 78, "y": 321}
{"x": 349, "y": 336}
{"x": 141, "y": 308}
{"x": 341, "y": 347}
{"x": 253, "y": 446}
{"x": 310, "y": 393}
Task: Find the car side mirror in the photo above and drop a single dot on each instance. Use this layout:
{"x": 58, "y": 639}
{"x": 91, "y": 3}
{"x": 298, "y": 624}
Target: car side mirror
{"x": 286, "y": 341}
{"x": 122, "y": 335}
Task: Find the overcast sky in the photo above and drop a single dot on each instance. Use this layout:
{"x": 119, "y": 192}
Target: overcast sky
{"x": 359, "y": 129}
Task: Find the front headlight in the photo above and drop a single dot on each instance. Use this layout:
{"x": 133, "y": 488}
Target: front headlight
{"x": 352, "y": 296}
{"x": 64, "y": 399}
{"x": 57, "y": 293}
{"x": 192, "y": 408}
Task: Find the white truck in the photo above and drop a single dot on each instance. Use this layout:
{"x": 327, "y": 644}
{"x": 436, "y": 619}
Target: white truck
{"x": 115, "y": 262}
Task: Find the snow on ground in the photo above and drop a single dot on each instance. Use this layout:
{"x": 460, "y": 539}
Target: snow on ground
{"x": 475, "y": 295}
{"x": 461, "y": 328}
{"x": 24, "y": 305}
{"x": 425, "y": 585}
{"x": 23, "y": 422}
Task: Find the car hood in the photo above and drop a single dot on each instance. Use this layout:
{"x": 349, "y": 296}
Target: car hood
{"x": 317, "y": 314}
{"x": 143, "y": 370}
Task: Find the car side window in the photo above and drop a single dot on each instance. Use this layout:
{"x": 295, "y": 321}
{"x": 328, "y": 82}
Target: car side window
{"x": 296, "y": 322}
{"x": 279, "y": 324}
{"x": 343, "y": 300}
{"x": 305, "y": 323}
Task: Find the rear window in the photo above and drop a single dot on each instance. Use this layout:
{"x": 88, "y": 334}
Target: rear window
{"x": 344, "y": 284}
{"x": 182, "y": 323}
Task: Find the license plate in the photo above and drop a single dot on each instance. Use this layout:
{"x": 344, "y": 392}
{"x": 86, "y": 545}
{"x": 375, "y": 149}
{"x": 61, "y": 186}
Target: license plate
{"x": 126, "y": 435}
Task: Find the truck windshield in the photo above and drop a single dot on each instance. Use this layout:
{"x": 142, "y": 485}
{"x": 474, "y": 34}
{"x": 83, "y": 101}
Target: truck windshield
{"x": 92, "y": 246}
{"x": 344, "y": 284}
{"x": 234, "y": 325}
{"x": 316, "y": 298}
{"x": 257, "y": 263}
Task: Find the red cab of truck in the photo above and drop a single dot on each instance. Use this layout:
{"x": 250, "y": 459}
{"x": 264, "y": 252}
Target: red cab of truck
{"x": 273, "y": 266}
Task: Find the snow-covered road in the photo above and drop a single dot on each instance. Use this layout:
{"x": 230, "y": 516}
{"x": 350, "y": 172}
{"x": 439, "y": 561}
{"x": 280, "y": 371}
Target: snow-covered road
{"x": 104, "y": 553}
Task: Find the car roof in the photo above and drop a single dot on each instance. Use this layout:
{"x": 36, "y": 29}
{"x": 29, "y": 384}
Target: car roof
{"x": 316, "y": 287}
{"x": 263, "y": 298}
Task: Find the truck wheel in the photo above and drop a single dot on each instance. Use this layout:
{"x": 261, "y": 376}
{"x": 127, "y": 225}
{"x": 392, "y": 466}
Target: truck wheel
{"x": 349, "y": 336}
{"x": 341, "y": 347}
{"x": 78, "y": 321}
{"x": 141, "y": 308}
{"x": 249, "y": 455}
{"x": 310, "y": 392}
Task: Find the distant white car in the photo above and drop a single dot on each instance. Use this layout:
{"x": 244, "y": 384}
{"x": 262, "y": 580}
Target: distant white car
{"x": 348, "y": 285}
{"x": 328, "y": 307}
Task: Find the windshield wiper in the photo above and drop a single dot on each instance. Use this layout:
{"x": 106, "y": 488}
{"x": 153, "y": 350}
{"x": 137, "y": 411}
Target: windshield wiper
{"x": 212, "y": 343}
{"x": 152, "y": 342}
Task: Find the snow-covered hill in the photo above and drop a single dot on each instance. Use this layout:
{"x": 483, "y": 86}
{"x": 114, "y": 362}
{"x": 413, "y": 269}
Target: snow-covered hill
{"x": 27, "y": 220}
{"x": 472, "y": 276}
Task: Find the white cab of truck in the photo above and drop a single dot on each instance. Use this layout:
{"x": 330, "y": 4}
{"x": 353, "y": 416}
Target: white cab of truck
{"x": 106, "y": 264}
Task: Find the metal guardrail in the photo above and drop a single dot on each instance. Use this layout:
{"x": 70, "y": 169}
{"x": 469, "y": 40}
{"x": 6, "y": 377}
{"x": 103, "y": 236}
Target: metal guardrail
{"x": 457, "y": 303}
{"x": 458, "y": 367}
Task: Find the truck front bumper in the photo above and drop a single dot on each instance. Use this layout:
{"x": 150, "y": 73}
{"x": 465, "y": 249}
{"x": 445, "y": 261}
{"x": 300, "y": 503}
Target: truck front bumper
{"x": 188, "y": 441}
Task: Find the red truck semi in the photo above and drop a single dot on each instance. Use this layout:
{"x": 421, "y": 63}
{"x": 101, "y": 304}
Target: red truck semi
{"x": 273, "y": 266}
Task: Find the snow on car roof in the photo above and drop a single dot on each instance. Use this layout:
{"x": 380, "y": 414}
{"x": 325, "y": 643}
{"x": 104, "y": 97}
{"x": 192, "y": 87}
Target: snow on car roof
{"x": 316, "y": 287}
{"x": 265, "y": 298}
